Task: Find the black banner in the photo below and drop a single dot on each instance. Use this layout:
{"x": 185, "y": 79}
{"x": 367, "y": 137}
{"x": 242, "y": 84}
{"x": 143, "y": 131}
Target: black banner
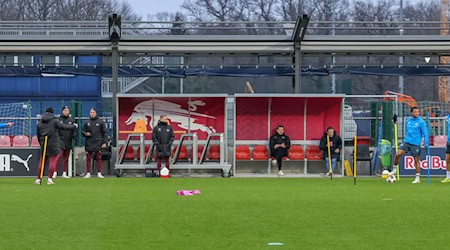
{"x": 19, "y": 161}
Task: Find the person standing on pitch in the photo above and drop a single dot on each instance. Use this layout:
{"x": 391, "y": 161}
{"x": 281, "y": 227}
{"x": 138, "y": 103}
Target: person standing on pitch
{"x": 163, "y": 137}
{"x": 96, "y": 139}
{"x": 279, "y": 144}
{"x": 65, "y": 137}
{"x": 4, "y": 125}
{"x": 48, "y": 127}
{"x": 447, "y": 154}
{"x": 415, "y": 130}
{"x": 335, "y": 148}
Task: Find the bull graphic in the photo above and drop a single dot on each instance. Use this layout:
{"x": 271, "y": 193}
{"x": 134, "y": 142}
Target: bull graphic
{"x": 175, "y": 113}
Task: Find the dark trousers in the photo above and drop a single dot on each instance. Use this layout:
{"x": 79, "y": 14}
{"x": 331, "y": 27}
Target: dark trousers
{"x": 279, "y": 153}
{"x": 159, "y": 162}
{"x": 63, "y": 155}
{"x": 51, "y": 162}
{"x": 98, "y": 157}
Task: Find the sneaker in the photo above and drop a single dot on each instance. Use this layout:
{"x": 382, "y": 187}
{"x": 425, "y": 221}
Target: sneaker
{"x": 280, "y": 173}
{"x": 55, "y": 174}
{"x": 274, "y": 163}
{"x": 99, "y": 175}
{"x": 416, "y": 181}
{"x": 50, "y": 182}
{"x": 446, "y": 180}
{"x": 328, "y": 174}
{"x": 37, "y": 182}
{"x": 393, "y": 172}
{"x": 88, "y": 175}
{"x": 65, "y": 176}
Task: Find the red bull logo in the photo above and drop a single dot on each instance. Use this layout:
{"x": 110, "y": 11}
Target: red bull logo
{"x": 436, "y": 163}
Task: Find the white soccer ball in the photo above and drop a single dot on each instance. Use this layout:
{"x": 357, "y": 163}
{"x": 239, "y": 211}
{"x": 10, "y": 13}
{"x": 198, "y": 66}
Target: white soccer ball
{"x": 391, "y": 179}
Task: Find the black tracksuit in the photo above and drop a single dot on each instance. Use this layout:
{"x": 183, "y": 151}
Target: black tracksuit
{"x": 163, "y": 137}
{"x": 279, "y": 152}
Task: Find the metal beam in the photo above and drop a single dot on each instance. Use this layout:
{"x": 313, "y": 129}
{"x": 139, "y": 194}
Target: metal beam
{"x": 310, "y": 45}
{"x": 63, "y": 47}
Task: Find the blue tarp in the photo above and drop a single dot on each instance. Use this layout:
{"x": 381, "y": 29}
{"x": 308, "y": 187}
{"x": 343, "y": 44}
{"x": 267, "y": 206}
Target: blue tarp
{"x": 227, "y": 71}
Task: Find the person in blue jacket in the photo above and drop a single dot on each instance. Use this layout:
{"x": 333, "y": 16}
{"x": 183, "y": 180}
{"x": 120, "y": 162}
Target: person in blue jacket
{"x": 416, "y": 128}
{"x": 4, "y": 125}
{"x": 447, "y": 153}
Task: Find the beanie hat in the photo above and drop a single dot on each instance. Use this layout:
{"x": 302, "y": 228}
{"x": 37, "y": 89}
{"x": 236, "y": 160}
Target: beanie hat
{"x": 49, "y": 110}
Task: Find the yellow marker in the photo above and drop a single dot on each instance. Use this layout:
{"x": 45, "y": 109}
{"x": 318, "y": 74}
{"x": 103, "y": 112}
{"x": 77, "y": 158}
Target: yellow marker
{"x": 43, "y": 159}
{"x": 348, "y": 169}
{"x": 396, "y": 148}
{"x": 355, "y": 155}
{"x": 329, "y": 157}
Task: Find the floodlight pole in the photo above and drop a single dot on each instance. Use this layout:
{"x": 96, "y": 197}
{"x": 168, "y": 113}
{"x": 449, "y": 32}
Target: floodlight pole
{"x": 298, "y": 70}
{"x": 297, "y": 36}
{"x": 401, "y": 87}
{"x": 115, "y": 32}
{"x": 114, "y": 87}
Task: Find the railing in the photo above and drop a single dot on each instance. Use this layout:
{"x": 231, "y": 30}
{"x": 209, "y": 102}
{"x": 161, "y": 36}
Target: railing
{"x": 98, "y": 29}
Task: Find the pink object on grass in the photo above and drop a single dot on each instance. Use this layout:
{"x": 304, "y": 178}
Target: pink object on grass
{"x": 188, "y": 192}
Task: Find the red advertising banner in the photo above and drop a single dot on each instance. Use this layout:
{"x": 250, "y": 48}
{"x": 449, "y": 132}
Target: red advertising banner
{"x": 203, "y": 115}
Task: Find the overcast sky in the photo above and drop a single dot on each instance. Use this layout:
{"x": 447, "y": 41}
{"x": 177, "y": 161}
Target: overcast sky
{"x": 145, "y": 7}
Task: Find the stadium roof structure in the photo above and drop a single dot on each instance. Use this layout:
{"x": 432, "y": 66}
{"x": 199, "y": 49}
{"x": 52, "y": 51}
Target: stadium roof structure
{"x": 227, "y": 38}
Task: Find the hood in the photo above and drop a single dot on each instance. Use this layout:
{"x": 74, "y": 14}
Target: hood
{"x": 93, "y": 118}
{"x": 47, "y": 117}
{"x": 162, "y": 123}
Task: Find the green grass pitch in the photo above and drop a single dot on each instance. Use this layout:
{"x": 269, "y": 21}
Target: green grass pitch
{"x": 231, "y": 213}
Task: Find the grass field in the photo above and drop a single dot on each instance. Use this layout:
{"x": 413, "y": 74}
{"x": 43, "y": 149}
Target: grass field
{"x": 231, "y": 213}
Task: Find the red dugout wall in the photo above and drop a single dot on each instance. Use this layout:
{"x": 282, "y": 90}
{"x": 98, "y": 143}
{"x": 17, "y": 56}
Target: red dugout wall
{"x": 305, "y": 118}
{"x": 257, "y": 117}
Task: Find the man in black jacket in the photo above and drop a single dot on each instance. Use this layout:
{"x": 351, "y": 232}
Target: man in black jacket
{"x": 65, "y": 137}
{"x": 335, "y": 148}
{"x": 48, "y": 127}
{"x": 279, "y": 147}
{"x": 163, "y": 137}
{"x": 96, "y": 139}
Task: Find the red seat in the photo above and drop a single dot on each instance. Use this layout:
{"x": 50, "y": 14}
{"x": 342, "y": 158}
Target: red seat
{"x": 260, "y": 152}
{"x": 5, "y": 141}
{"x": 296, "y": 152}
{"x": 35, "y": 141}
{"x": 21, "y": 141}
{"x": 184, "y": 153}
{"x": 214, "y": 152}
{"x": 200, "y": 151}
{"x": 440, "y": 140}
{"x": 129, "y": 155}
{"x": 243, "y": 152}
{"x": 313, "y": 153}
{"x": 146, "y": 149}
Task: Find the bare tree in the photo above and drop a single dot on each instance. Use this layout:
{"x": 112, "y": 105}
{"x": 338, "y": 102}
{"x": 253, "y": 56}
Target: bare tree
{"x": 289, "y": 10}
{"x": 263, "y": 9}
{"x": 216, "y": 10}
{"x": 67, "y": 10}
{"x": 41, "y": 10}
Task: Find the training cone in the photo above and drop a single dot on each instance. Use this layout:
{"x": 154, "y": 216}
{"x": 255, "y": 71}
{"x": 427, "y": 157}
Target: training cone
{"x": 164, "y": 173}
